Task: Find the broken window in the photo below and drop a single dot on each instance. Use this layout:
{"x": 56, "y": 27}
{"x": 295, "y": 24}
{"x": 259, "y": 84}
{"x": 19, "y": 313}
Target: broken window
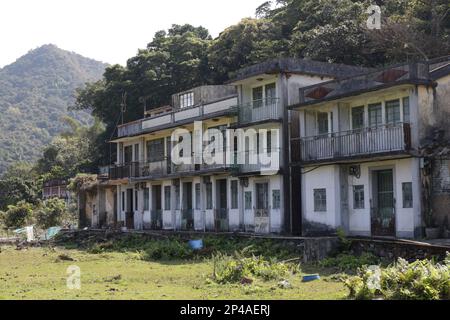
{"x": 407, "y": 195}
{"x": 320, "y": 200}
{"x": 358, "y": 197}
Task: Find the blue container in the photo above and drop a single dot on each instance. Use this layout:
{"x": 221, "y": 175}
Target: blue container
{"x": 196, "y": 244}
{"x": 311, "y": 278}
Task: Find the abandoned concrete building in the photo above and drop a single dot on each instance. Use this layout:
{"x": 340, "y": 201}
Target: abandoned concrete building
{"x": 360, "y": 149}
{"x": 344, "y": 144}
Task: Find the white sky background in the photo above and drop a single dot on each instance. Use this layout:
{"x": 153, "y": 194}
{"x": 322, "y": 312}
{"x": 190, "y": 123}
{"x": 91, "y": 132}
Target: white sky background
{"x": 107, "y": 30}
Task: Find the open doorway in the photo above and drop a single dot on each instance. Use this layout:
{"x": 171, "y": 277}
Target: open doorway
{"x": 129, "y": 218}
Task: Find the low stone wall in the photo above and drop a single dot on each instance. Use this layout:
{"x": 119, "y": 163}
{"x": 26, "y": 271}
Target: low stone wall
{"x": 398, "y": 249}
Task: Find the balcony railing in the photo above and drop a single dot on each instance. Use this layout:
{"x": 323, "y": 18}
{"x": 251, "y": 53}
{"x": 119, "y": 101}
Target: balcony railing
{"x": 366, "y": 141}
{"x": 219, "y": 107}
{"x": 165, "y": 167}
{"x": 259, "y": 110}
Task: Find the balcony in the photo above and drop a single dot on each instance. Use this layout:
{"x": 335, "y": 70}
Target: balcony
{"x": 259, "y": 110}
{"x": 225, "y": 106}
{"x": 366, "y": 142}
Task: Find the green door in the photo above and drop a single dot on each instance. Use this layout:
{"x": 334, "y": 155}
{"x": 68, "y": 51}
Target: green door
{"x": 383, "y": 204}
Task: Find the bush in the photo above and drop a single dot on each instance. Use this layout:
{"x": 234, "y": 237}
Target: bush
{"x": 17, "y": 216}
{"x": 51, "y": 213}
{"x": 348, "y": 262}
{"x": 419, "y": 280}
{"x": 237, "y": 268}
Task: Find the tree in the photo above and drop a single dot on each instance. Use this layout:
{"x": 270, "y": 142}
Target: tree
{"x": 250, "y": 41}
{"x": 174, "y": 61}
{"x": 17, "y": 216}
{"x": 50, "y": 213}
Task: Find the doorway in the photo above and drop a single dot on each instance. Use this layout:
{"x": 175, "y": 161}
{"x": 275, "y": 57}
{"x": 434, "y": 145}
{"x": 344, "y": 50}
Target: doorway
{"x": 221, "y": 215}
{"x": 129, "y": 223}
{"x": 262, "y": 223}
{"x": 156, "y": 215}
{"x": 383, "y": 203}
{"x": 187, "y": 215}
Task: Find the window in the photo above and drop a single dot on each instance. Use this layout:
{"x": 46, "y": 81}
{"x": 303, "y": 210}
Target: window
{"x": 186, "y": 100}
{"x": 177, "y": 197}
{"x": 197, "y": 196}
{"x": 358, "y": 197}
{"x": 322, "y": 122}
{"x": 248, "y": 200}
{"x": 357, "y": 117}
{"x": 136, "y": 198}
{"x": 375, "y": 115}
{"x": 146, "y": 199}
{"x": 155, "y": 150}
{"x": 209, "y": 196}
{"x": 234, "y": 194}
{"x": 320, "y": 200}
{"x": 136, "y": 152}
{"x": 406, "y": 116}
{"x": 257, "y": 97}
{"x": 393, "y": 111}
{"x": 407, "y": 195}
{"x": 276, "y": 199}
{"x": 167, "y": 198}
{"x": 271, "y": 92}
{"x": 123, "y": 201}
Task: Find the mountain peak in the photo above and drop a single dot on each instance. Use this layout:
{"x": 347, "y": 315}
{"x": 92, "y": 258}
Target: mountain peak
{"x": 35, "y": 92}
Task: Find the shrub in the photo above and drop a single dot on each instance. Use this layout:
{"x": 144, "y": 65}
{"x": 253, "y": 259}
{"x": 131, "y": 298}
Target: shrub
{"x": 419, "y": 280}
{"x": 237, "y": 268}
{"x": 17, "y": 216}
{"x": 51, "y": 213}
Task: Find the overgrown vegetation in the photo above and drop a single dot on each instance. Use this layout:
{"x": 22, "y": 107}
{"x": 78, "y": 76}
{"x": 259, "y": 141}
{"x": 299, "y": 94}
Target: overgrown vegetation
{"x": 346, "y": 262}
{"x": 241, "y": 268}
{"x": 43, "y": 214}
{"x": 403, "y": 280}
{"x": 177, "y": 248}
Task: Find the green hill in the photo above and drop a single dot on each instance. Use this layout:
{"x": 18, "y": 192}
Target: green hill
{"x": 35, "y": 92}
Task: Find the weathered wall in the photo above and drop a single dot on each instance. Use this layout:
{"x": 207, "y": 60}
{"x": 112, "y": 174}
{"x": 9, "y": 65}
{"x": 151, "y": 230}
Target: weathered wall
{"x": 440, "y": 199}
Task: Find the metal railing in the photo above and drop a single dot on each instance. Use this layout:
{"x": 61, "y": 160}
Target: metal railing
{"x": 156, "y": 219}
{"x": 225, "y": 105}
{"x": 259, "y": 110}
{"x": 187, "y": 219}
{"x": 365, "y": 141}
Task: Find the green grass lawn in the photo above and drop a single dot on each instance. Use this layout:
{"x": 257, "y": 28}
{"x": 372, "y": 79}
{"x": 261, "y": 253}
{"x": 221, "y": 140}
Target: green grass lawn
{"x": 39, "y": 273}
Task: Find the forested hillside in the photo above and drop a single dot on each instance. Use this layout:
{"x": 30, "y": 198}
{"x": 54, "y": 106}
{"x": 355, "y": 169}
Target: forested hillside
{"x": 35, "y": 92}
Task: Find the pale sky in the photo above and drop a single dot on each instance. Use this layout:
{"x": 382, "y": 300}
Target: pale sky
{"x": 107, "y": 30}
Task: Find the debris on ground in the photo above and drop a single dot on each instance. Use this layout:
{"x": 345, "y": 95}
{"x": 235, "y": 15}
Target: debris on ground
{"x": 311, "y": 277}
{"x": 64, "y": 257}
{"x": 284, "y": 284}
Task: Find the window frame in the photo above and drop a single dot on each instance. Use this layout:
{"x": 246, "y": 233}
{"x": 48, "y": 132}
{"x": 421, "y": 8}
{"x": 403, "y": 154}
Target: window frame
{"x": 407, "y": 197}
{"x": 320, "y": 207}
{"x": 167, "y": 198}
{"x": 358, "y": 200}
{"x": 186, "y": 99}
{"x": 234, "y": 188}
